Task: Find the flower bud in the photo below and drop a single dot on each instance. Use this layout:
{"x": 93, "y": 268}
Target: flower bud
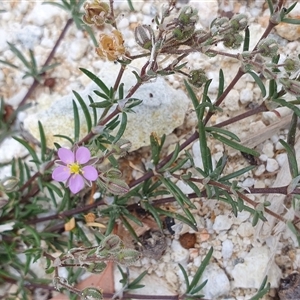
{"x": 9, "y": 184}
{"x": 218, "y": 25}
{"x": 268, "y": 47}
{"x": 238, "y": 22}
{"x": 197, "y": 78}
{"x": 232, "y": 41}
{"x": 112, "y": 243}
{"x": 95, "y": 13}
{"x": 291, "y": 86}
{"x": 188, "y": 15}
{"x": 144, "y": 36}
{"x": 127, "y": 257}
{"x": 291, "y": 65}
{"x": 183, "y": 34}
{"x": 91, "y": 293}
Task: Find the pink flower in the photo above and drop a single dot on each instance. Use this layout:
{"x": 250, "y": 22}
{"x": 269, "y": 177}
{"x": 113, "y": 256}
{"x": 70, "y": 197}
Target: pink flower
{"x": 75, "y": 168}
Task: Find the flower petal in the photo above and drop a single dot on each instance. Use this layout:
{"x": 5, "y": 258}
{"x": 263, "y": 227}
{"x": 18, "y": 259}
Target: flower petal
{"x": 90, "y": 173}
{"x": 82, "y": 155}
{"x": 76, "y": 183}
{"x": 65, "y": 155}
{"x": 61, "y": 173}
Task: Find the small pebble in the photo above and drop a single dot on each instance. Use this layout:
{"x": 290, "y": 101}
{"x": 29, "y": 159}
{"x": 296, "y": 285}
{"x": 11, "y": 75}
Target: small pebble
{"x": 272, "y": 165}
{"x": 188, "y": 240}
{"x": 222, "y": 222}
{"x": 281, "y": 158}
{"x": 268, "y": 149}
{"x": 245, "y": 229}
{"x": 227, "y": 249}
{"x": 232, "y": 100}
{"x": 260, "y": 170}
{"x": 246, "y": 96}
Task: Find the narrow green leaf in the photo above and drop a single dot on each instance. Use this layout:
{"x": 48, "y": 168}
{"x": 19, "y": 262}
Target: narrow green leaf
{"x": 270, "y": 4}
{"x": 76, "y": 121}
{"x": 35, "y": 158}
{"x": 48, "y": 68}
{"x": 102, "y": 104}
{"x": 154, "y": 213}
{"x": 192, "y": 95}
{"x": 185, "y": 276}
{"x": 246, "y": 39}
{"x": 221, "y": 84}
{"x": 294, "y": 230}
{"x": 85, "y": 111}
{"x": 201, "y": 269}
{"x": 179, "y": 165}
{"x": 291, "y": 138}
{"x": 19, "y": 54}
{"x": 42, "y": 141}
{"x": 291, "y": 106}
{"x": 129, "y": 228}
{"x": 130, "y": 5}
{"x": 9, "y": 64}
{"x": 122, "y": 127}
{"x": 223, "y": 132}
{"x": 97, "y": 80}
{"x": 291, "y": 21}
{"x": 177, "y": 217}
{"x": 235, "y": 145}
{"x": 102, "y": 95}
{"x": 135, "y": 283}
{"x": 291, "y": 157}
{"x": 95, "y": 115}
{"x": 54, "y": 188}
{"x": 172, "y": 159}
{"x": 258, "y": 82}
{"x": 180, "y": 197}
{"x": 32, "y": 60}
{"x": 236, "y": 173}
{"x": 65, "y": 137}
{"x": 204, "y": 150}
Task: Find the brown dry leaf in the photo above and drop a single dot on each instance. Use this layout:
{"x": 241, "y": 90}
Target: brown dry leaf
{"x": 103, "y": 281}
{"x": 70, "y": 225}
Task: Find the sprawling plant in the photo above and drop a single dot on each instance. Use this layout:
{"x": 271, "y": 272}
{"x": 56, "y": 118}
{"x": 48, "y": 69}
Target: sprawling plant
{"x": 59, "y": 179}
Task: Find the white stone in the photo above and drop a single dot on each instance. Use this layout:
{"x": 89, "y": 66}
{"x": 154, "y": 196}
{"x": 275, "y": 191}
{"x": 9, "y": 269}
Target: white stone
{"x": 232, "y": 100}
{"x": 246, "y": 96}
{"x": 281, "y": 158}
{"x": 245, "y": 229}
{"x": 185, "y": 188}
{"x": 29, "y": 36}
{"x": 222, "y": 222}
{"x": 260, "y": 170}
{"x": 227, "y": 249}
{"x": 248, "y": 182}
{"x": 179, "y": 254}
{"x": 268, "y": 149}
{"x": 251, "y": 272}
{"x": 241, "y": 217}
{"x": 78, "y": 48}
{"x": 290, "y": 32}
{"x": 43, "y": 14}
{"x": 159, "y": 100}
{"x": 207, "y": 11}
{"x": 272, "y": 165}
{"x": 263, "y": 157}
{"x": 10, "y": 149}
{"x": 217, "y": 282}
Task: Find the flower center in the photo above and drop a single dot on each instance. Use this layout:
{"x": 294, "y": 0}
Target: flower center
{"x": 75, "y": 168}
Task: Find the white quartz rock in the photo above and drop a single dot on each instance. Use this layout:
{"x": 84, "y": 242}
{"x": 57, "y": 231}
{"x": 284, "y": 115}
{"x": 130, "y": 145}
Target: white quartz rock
{"x": 179, "y": 254}
{"x": 218, "y": 283}
{"x": 227, "y": 249}
{"x": 251, "y": 272}
{"x": 222, "y": 222}
{"x": 162, "y": 110}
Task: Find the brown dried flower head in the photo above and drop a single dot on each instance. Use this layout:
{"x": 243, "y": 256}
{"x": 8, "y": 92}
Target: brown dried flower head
{"x": 95, "y": 12}
{"x": 111, "y": 46}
